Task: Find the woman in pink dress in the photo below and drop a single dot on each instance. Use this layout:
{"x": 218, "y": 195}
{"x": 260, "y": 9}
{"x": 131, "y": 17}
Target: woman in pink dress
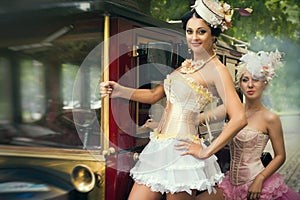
{"x": 247, "y": 177}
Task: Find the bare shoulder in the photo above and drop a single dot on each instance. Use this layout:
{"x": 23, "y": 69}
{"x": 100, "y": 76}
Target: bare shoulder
{"x": 271, "y": 117}
{"x": 219, "y": 65}
{"x": 272, "y": 121}
{"x": 221, "y": 68}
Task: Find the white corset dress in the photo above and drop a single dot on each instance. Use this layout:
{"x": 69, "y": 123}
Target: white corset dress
{"x": 160, "y": 165}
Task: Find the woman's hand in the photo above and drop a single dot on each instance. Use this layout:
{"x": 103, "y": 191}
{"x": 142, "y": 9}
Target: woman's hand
{"x": 190, "y": 147}
{"x": 150, "y": 123}
{"x": 114, "y": 89}
{"x": 110, "y": 88}
{"x": 255, "y": 188}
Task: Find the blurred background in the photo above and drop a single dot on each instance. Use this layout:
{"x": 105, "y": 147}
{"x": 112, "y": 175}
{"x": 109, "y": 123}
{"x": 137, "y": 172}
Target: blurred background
{"x": 274, "y": 24}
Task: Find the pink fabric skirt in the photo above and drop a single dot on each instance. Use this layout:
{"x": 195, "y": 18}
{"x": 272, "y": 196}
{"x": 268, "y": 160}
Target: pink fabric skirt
{"x": 273, "y": 188}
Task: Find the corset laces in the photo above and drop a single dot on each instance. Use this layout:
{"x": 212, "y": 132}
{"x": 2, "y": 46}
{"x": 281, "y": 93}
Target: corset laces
{"x": 234, "y": 177}
{"x": 209, "y": 107}
{"x": 245, "y": 150}
{"x": 204, "y": 97}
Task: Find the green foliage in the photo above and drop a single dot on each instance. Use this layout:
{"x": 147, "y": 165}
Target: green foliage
{"x": 169, "y": 9}
{"x": 274, "y": 24}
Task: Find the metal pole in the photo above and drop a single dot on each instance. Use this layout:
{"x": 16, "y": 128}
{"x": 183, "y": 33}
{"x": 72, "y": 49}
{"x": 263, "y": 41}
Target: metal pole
{"x": 105, "y": 72}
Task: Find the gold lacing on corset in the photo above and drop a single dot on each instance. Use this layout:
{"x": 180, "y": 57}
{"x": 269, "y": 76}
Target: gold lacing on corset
{"x": 206, "y": 98}
{"x": 211, "y": 101}
{"x": 200, "y": 89}
{"x": 158, "y": 135}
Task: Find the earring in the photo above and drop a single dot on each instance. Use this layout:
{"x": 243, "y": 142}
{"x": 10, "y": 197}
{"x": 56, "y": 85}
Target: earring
{"x": 190, "y": 54}
{"x": 214, "y": 47}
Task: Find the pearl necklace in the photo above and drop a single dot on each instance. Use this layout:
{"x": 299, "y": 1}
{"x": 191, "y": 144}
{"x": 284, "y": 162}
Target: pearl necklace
{"x": 190, "y": 66}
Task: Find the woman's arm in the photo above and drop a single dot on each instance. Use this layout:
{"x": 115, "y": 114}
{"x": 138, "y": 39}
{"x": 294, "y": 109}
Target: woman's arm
{"x": 277, "y": 141}
{"x": 234, "y": 108}
{"x": 276, "y": 136}
{"x": 150, "y": 96}
{"x": 216, "y": 115}
{"x": 235, "y": 111}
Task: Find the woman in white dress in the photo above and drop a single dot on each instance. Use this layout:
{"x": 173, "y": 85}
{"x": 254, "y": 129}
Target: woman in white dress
{"x": 190, "y": 89}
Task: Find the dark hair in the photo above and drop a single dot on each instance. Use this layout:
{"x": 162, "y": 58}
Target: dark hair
{"x": 188, "y": 15}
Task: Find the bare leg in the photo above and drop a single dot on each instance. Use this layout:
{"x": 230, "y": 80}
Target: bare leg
{"x": 181, "y": 196}
{"x": 211, "y": 196}
{"x": 142, "y": 192}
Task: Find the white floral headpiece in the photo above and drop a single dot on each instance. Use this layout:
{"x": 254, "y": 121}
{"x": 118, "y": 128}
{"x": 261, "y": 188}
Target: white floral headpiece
{"x": 217, "y": 14}
{"x": 261, "y": 65}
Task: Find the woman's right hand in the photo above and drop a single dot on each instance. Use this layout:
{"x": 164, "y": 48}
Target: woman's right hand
{"x": 110, "y": 88}
{"x": 193, "y": 148}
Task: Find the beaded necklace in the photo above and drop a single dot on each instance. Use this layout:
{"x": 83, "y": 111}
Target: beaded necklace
{"x": 190, "y": 66}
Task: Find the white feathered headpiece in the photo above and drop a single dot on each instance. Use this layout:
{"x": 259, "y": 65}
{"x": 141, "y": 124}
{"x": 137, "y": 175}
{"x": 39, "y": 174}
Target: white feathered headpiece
{"x": 261, "y": 65}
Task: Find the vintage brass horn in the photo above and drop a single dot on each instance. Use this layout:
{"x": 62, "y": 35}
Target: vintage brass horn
{"x": 83, "y": 178}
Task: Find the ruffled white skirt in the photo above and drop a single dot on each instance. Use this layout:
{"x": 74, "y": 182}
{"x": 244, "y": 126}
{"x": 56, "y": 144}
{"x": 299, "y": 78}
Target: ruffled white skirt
{"x": 163, "y": 169}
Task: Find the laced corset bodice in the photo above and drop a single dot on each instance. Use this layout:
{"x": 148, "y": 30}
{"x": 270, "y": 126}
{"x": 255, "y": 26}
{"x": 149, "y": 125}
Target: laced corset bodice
{"x": 245, "y": 151}
{"x": 185, "y": 100}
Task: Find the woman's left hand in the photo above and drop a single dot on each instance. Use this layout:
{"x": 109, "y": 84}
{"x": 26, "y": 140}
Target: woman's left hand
{"x": 254, "y": 190}
{"x": 190, "y": 147}
{"x": 150, "y": 123}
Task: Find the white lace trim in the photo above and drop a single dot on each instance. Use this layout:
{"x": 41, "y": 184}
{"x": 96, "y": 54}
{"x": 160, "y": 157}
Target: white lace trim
{"x": 162, "y": 186}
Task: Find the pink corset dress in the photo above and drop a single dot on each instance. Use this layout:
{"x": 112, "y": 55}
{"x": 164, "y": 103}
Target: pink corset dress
{"x": 245, "y": 151}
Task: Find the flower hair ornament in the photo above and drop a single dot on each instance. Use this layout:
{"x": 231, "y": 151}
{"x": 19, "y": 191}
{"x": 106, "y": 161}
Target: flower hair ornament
{"x": 261, "y": 65}
{"x": 217, "y": 14}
